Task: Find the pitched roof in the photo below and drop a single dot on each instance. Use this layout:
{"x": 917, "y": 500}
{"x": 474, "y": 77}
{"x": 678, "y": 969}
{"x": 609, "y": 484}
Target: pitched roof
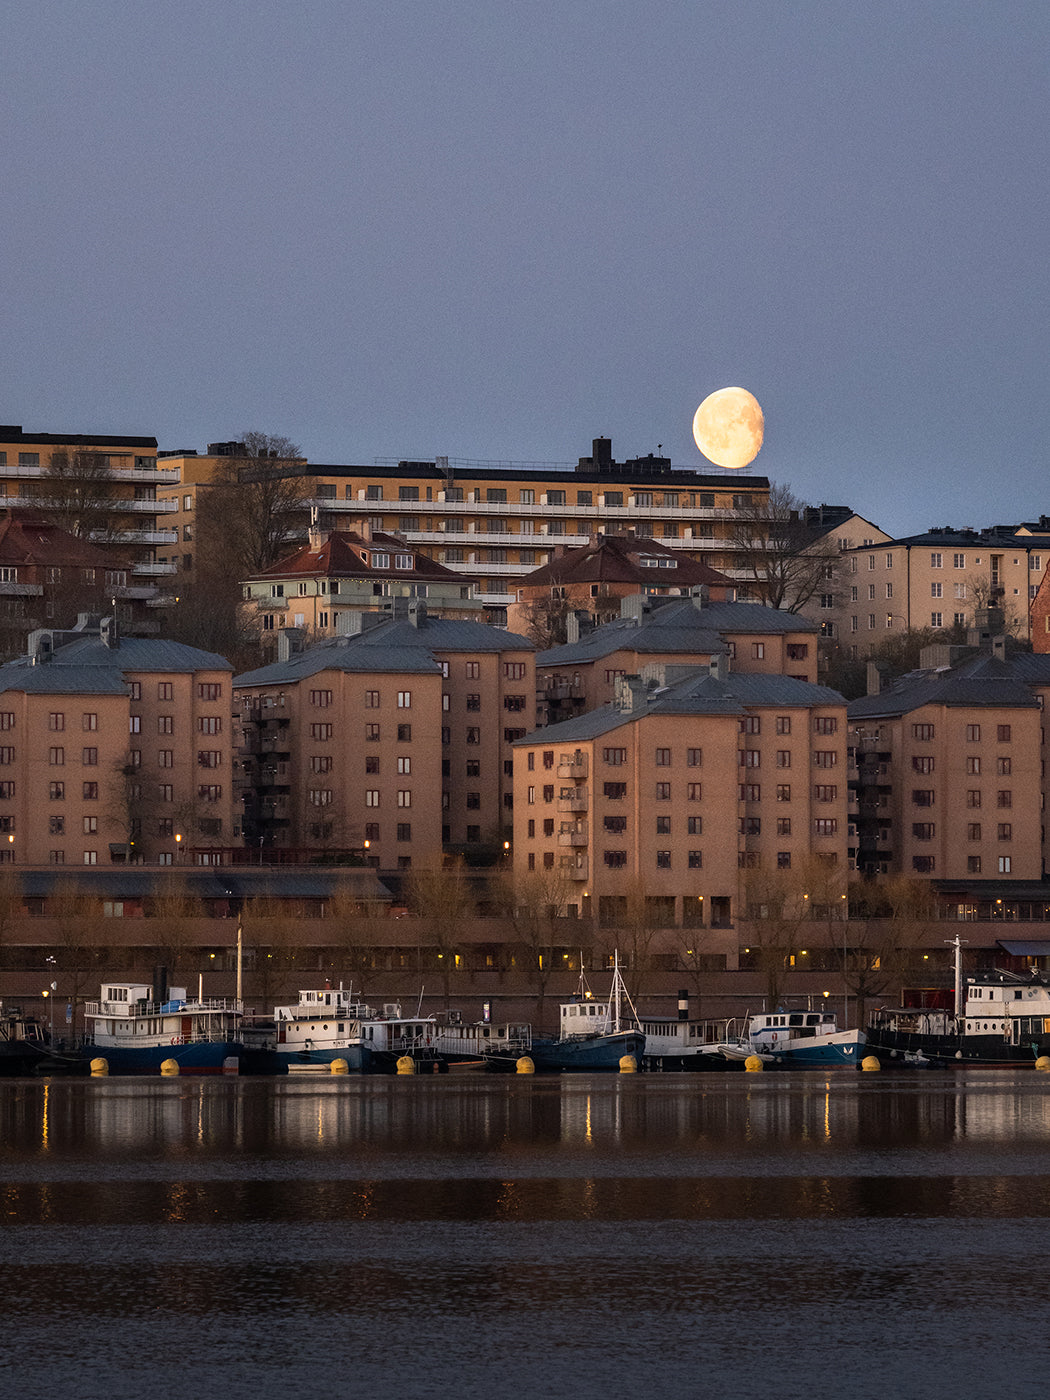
{"x": 982, "y": 681}
{"x": 677, "y": 625}
{"x": 621, "y": 559}
{"x": 393, "y": 645}
{"x": 341, "y": 555}
{"x": 84, "y": 663}
{"x": 29, "y": 540}
{"x": 696, "y": 694}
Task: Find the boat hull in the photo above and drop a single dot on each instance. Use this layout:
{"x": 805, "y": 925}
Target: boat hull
{"x": 909, "y": 1047}
{"x": 198, "y": 1057}
{"x": 846, "y": 1048}
{"x": 591, "y": 1053}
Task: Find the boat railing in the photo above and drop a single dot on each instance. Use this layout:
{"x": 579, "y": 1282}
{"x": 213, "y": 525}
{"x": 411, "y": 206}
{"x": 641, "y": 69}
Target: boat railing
{"x": 129, "y": 1010}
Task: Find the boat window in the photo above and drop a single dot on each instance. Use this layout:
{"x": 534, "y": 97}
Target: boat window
{"x": 796, "y": 1019}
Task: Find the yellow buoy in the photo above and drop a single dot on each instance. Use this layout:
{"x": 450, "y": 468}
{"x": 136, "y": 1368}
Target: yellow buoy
{"x": 526, "y": 1065}
{"x": 753, "y": 1065}
{"x": 99, "y": 1067}
{"x": 339, "y": 1067}
{"x": 870, "y": 1062}
{"x": 406, "y": 1065}
{"x": 628, "y": 1064}
{"x": 1043, "y": 1062}
{"x": 169, "y": 1067}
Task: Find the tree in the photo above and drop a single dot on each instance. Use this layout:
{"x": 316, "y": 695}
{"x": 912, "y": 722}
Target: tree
{"x": 891, "y": 919}
{"x": 533, "y": 901}
{"x": 76, "y": 487}
{"x": 778, "y": 909}
{"x": 255, "y": 503}
{"x": 442, "y": 900}
{"x": 546, "y": 621}
{"x": 784, "y": 561}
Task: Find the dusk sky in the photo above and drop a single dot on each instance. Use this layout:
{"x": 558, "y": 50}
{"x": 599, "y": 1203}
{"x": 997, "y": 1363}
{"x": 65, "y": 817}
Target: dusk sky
{"x": 496, "y": 231}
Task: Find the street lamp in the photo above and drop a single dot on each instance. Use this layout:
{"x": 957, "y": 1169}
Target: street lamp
{"x": 178, "y": 848}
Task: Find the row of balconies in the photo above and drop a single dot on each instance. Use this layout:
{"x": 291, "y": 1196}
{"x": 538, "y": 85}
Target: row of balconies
{"x": 388, "y": 505}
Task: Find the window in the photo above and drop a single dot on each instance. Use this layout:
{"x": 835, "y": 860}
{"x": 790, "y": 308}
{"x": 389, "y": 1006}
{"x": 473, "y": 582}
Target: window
{"x": 209, "y": 724}
{"x": 615, "y": 824}
{"x": 207, "y": 690}
{"x": 165, "y": 690}
{"x": 473, "y": 736}
{"x": 615, "y": 860}
{"x": 797, "y": 651}
{"x": 165, "y": 724}
{"x": 750, "y": 758}
{"x": 371, "y": 797}
{"x": 783, "y": 860}
{"x": 514, "y": 703}
{"x": 922, "y": 731}
{"x": 825, "y": 724}
{"x": 750, "y": 792}
{"x": 923, "y": 831}
{"x": 663, "y": 758}
{"x": 1005, "y": 831}
{"x": 548, "y": 792}
{"x": 826, "y": 758}
{"x": 134, "y": 690}
{"x": 1002, "y": 766}
{"x": 758, "y": 651}
{"x": 209, "y": 792}
{"x": 922, "y": 763}
{"x": 613, "y": 675}
{"x": 695, "y": 860}
{"x": 404, "y": 699}
{"x": 958, "y": 561}
{"x": 693, "y": 792}
{"x": 936, "y": 620}
{"x": 371, "y": 699}
{"x": 826, "y": 792}
{"x": 371, "y": 732}
{"x": 973, "y": 831}
{"x": 321, "y": 763}
{"x": 1004, "y": 865}
{"x": 751, "y": 724}
{"x": 973, "y": 865}
{"x": 321, "y": 698}
{"x": 663, "y": 860}
{"x": 922, "y": 865}
{"x": 973, "y": 734}
{"x": 973, "y": 797}
{"x": 56, "y": 757}
{"x": 324, "y": 731}
{"x": 165, "y": 758}
{"x": 89, "y": 792}
{"x": 826, "y": 826}
{"x": 693, "y": 758}
{"x": 1004, "y": 798}
{"x": 614, "y": 757}
{"x": 936, "y": 590}
{"x": 56, "y": 721}
{"x": 973, "y": 764}
{"x": 404, "y": 797}
{"x": 1003, "y": 733}
{"x": 91, "y": 857}
{"x": 56, "y": 826}
{"x": 663, "y": 792}
{"x": 55, "y": 791}
{"x": 871, "y": 592}
{"x": 936, "y": 561}
{"x": 209, "y": 758}
{"x": 922, "y": 797}
{"x": 90, "y": 825}
{"x": 783, "y": 758}
{"x": 783, "y": 792}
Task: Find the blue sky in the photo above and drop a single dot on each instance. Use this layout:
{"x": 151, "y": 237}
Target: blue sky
{"x": 497, "y": 231}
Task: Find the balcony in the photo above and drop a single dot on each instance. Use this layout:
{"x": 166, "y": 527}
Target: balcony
{"x": 579, "y": 869}
{"x": 574, "y": 836}
{"x": 574, "y": 768}
{"x": 154, "y": 569}
{"x": 139, "y": 537}
{"x": 578, "y": 802}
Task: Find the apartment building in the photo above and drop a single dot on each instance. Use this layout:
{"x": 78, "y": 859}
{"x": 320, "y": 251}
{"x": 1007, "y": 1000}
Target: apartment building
{"x": 939, "y": 580}
{"x": 398, "y": 735}
{"x": 683, "y": 787}
{"x": 496, "y": 522}
{"x": 114, "y": 749}
{"x": 948, "y": 768}
{"x": 584, "y": 674}
{"x": 344, "y": 572}
{"x": 106, "y": 489}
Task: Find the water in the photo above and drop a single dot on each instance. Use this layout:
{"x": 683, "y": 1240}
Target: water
{"x": 800, "y": 1234}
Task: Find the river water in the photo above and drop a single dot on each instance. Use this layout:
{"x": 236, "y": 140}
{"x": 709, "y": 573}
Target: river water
{"x": 793, "y": 1234}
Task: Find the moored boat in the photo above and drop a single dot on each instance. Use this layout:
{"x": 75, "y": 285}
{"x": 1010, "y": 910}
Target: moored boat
{"x": 307, "y": 1036}
{"x": 135, "y": 1027}
{"x": 594, "y": 1035}
{"x": 480, "y": 1044}
{"x": 687, "y": 1046}
{"x": 999, "y": 1018}
{"x": 24, "y": 1043}
{"x": 799, "y": 1040}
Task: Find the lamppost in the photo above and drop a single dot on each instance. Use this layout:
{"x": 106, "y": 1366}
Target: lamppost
{"x": 178, "y": 848}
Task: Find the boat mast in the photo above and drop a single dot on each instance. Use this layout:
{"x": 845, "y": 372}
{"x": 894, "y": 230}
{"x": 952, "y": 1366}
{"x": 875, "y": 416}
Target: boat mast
{"x": 957, "y": 943}
{"x": 616, "y": 991}
{"x": 240, "y": 960}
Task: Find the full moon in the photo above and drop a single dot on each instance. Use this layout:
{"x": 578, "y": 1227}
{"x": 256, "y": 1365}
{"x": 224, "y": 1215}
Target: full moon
{"x": 728, "y": 427}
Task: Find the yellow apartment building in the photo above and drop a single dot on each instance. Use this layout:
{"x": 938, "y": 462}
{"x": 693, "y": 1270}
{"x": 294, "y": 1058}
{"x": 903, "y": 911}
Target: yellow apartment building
{"x": 398, "y": 734}
{"x": 496, "y": 522}
{"x": 107, "y": 489}
{"x": 949, "y": 775}
{"x": 115, "y": 750}
{"x": 679, "y": 791}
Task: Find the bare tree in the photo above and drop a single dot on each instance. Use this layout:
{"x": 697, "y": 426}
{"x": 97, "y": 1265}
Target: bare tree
{"x": 778, "y": 910}
{"x": 546, "y": 621}
{"x": 785, "y": 563}
{"x": 442, "y": 899}
{"x": 533, "y": 901}
{"x": 76, "y": 488}
{"x": 256, "y": 503}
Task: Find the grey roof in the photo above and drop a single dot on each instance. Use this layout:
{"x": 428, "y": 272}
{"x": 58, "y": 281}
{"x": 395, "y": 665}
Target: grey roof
{"x": 85, "y": 665}
{"x": 982, "y": 681}
{"x": 677, "y": 626}
{"x": 394, "y": 645}
{"x": 699, "y": 694}
{"x": 234, "y": 882}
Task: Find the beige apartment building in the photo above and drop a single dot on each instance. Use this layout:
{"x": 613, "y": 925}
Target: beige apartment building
{"x": 753, "y": 639}
{"x": 114, "y": 750}
{"x": 939, "y": 580}
{"x": 398, "y": 735}
{"x": 496, "y": 522}
{"x": 109, "y": 490}
{"x": 679, "y": 792}
{"x": 949, "y": 775}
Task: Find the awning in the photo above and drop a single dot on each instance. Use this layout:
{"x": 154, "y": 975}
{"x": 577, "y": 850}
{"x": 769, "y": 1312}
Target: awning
{"x": 1029, "y": 948}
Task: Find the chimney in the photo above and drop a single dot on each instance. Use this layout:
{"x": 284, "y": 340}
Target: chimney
{"x": 874, "y": 676}
{"x": 109, "y": 632}
{"x": 601, "y": 454}
{"x": 633, "y": 606}
{"x": 316, "y": 536}
{"x": 41, "y": 646}
{"x": 701, "y": 595}
{"x": 417, "y": 612}
{"x": 631, "y": 694}
{"x": 719, "y": 665}
{"x": 577, "y": 625}
{"x": 291, "y": 641}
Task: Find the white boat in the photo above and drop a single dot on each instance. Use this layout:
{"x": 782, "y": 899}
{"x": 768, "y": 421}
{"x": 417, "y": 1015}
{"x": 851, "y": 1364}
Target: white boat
{"x": 684, "y": 1045}
{"x": 594, "y": 1035}
{"x": 306, "y": 1037}
{"x": 136, "y": 1027}
{"x": 480, "y": 1044}
{"x": 798, "y": 1040}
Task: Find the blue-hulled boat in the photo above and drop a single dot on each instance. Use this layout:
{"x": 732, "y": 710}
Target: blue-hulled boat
{"x": 798, "y": 1040}
{"x": 594, "y": 1035}
{"x": 135, "y": 1032}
